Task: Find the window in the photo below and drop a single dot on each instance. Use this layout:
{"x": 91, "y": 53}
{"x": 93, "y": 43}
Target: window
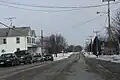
{"x": 17, "y": 40}
{"x": 18, "y": 49}
{"x": 4, "y": 41}
{"x": 33, "y": 40}
{"x": 28, "y": 40}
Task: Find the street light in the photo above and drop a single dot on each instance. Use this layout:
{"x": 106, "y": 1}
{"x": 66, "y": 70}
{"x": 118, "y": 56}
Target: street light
{"x": 101, "y": 12}
{"x": 96, "y": 32}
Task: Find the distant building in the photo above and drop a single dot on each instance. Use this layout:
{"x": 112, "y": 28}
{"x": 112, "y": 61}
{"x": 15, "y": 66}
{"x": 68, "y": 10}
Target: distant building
{"x": 18, "y": 38}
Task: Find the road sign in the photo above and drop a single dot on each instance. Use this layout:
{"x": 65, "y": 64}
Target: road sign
{"x": 107, "y": 0}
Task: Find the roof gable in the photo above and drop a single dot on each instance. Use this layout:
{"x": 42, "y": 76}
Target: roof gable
{"x": 32, "y": 33}
{"x": 17, "y": 31}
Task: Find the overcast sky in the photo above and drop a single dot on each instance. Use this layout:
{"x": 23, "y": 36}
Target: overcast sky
{"x": 68, "y": 23}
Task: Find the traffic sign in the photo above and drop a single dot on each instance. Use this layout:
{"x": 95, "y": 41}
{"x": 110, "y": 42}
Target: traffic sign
{"x": 107, "y": 0}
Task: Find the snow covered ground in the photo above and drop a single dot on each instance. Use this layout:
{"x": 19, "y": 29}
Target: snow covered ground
{"x": 61, "y": 56}
{"x": 89, "y": 54}
{"x": 111, "y": 58}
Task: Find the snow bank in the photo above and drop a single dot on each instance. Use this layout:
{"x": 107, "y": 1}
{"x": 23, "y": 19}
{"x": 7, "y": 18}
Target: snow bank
{"x": 112, "y": 58}
{"x": 89, "y": 54}
{"x": 61, "y": 56}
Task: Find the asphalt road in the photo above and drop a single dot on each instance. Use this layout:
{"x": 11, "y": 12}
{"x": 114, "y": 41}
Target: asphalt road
{"x": 107, "y": 69}
{"x": 5, "y": 71}
{"x": 72, "y": 68}
{"x": 79, "y": 70}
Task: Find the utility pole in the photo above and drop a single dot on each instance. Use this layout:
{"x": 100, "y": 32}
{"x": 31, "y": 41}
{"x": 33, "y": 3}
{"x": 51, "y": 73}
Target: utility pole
{"x": 109, "y": 26}
{"x": 11, "y": 20}
{"x": 42, "y": 42}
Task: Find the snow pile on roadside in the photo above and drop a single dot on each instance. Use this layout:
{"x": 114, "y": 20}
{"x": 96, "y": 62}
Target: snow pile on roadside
{"x": 112, "y": 58}
{"x": 61, "y": 56}
{"x": 105, "y": 57}
{"x": 89, "y": 54}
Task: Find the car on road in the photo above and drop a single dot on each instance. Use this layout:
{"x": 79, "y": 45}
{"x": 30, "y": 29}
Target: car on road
{"x": 9, "y": 59}
{"x": 24, "y": 56}
{"x": 37, "y": 58}
{"x": 48, "y": 57}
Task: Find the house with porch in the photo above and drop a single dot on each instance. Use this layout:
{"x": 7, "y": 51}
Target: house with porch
{"x": 18, "y": 38}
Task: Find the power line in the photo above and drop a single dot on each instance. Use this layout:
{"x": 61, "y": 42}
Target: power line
{"x": 92, "y": 19}
{"x": 29, "y": 5}
{"x": 37, "y": 10}
{"x": 82, "y": 24}
{"x": 106, "y": 20}
{"x": 68, "y": 8}
{"x": 105, "y": 23}
{"x": 86, "y": 22}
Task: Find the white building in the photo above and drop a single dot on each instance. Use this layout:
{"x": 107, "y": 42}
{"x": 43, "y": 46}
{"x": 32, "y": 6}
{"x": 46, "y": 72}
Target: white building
{"x": 18, "y": 38}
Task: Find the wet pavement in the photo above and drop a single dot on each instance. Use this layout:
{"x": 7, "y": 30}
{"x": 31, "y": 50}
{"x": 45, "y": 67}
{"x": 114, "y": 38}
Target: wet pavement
{"x": 73, "y": 68}
{"x": 80, "y": 71}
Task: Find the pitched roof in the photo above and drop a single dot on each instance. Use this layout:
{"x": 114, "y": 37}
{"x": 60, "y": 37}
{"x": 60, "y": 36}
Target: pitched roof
{"x": 17, "y": 31}
{"x": 33, "y": 32}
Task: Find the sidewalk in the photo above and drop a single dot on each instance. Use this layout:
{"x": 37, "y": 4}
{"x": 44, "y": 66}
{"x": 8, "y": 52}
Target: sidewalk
{"x": 81, "y": 71}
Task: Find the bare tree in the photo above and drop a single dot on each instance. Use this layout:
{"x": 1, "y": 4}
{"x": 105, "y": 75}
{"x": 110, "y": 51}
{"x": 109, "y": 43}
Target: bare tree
{"x": 115, "y": 28}
{"x": 116, "y": 23}
{"x": 55, "y": 43}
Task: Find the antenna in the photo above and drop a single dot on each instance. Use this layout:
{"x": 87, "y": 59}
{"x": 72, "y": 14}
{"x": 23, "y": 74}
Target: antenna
{"x": 11, "y": 19}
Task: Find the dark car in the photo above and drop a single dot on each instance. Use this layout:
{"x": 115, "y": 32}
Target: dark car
{"x": 9, "y": 59}
{"x": 48, "y": 57}
{"x": 24, "y": 56}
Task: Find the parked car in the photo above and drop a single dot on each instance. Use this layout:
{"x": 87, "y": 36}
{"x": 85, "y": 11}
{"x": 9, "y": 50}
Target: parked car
{"x": 9, "y": 59}
{"x": 37, "y": 58}
{"x": 24, "y": 56}
{"x": 48, "y": 57}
